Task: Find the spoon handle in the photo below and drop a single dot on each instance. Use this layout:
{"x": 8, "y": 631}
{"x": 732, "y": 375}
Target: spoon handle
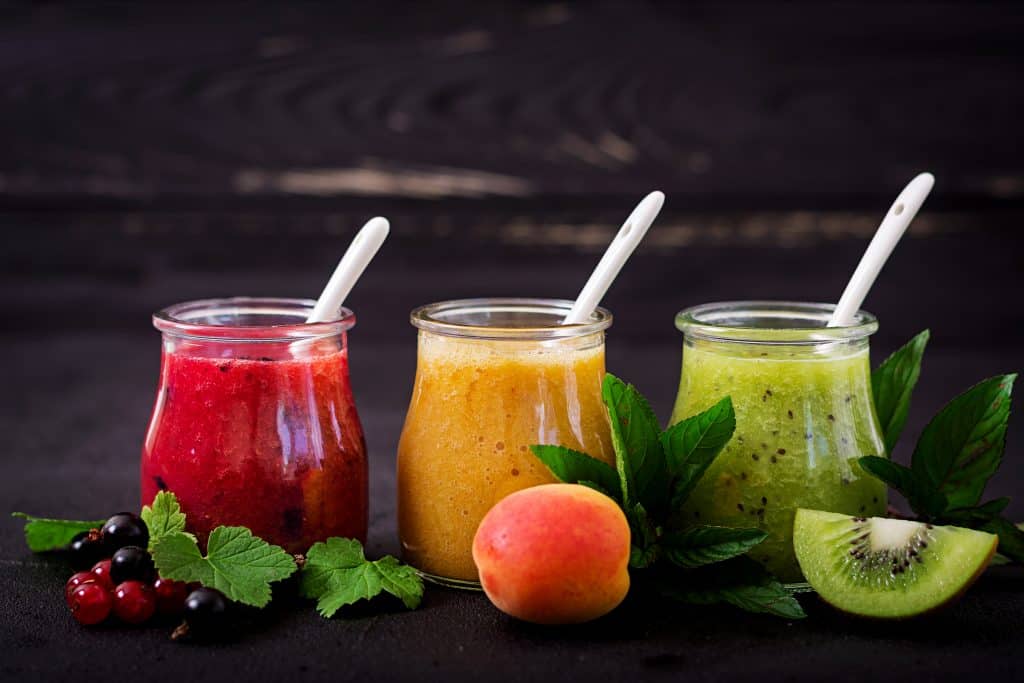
{"x": 882, "y": 244}
{"x": 358, "y": 255}
{"x": 626, "y": 240}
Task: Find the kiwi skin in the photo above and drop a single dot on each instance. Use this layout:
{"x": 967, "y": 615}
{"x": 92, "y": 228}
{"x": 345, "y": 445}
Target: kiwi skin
{"x": 814, "y": 518}
{"x": 938, "y": 608}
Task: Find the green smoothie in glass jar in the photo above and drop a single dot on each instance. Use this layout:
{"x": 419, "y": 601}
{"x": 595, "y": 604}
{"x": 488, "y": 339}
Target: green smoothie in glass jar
{"x": 804, "y": 413}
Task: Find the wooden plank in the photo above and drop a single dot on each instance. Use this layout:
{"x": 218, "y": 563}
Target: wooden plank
{"x": 719, "y": 104}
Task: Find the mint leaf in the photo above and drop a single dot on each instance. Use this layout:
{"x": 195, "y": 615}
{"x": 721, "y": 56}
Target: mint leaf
{"x": 962, "y": 446}
{"x": 574, "y": 467}
{"x": 691, "y": 445}
{"x": 43, "y": 535}
{"x": 643, "y": 557}
{"x": 769, "y": 598}
{"x": 337, "y": 573}
{"x": 1011, "y": 537}
{"x": 922, "y": 497}
{"x": 238, "y": 564}
{"x": 979, "y": 514}
{"x": 892, "y": 384}
{"x": 639, "y": 458}
{"x": 643, "y": 537}
{"x": 703, "y": 545}
{"x": 163, "y": 517}
{"x": 892, "y": 473}
{"x": 740, "y": 582}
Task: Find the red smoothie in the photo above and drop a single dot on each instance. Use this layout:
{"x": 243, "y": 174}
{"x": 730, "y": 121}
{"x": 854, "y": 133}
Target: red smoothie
{"x": 262, "y": 435}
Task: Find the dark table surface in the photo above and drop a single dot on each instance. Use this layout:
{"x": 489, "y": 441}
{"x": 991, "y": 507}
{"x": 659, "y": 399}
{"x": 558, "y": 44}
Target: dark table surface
{"x": 154, "y": 154}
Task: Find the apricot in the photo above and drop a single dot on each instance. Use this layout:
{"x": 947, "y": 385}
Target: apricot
{"x": 554, "y": 554}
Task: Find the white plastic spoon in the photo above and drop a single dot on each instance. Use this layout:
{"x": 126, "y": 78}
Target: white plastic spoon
{"x": 627, "y": 239}
{"x": 882, "y": 244}
{"x": 358, "y": 255}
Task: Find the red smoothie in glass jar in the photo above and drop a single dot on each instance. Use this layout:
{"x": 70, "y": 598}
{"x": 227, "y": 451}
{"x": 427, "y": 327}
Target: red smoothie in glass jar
{"x": 255, "y": 423}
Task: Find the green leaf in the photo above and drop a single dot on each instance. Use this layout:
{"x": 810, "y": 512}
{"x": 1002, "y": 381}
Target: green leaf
{"x": 691, "y": 445}
{"x": 641, "y": 558}
{"x": 163, "y": 517}
{"x": 979, "y": 514}
{"x": 644, "y": 550}
{"x": 892, "y": 473}
{"x": 962, "y": 446}
{"x": 1011, "y": 537}
{"x": 337, "y": 573}
{"x": 574, "y": 467}
{"x": 925, "y": 500}
{"x": 43, "y": 535}
{"x": 740, "y": 582}
{"x": 892, "y": 384}
{"x": 703, "y": 545}
{"x": 639, "y": 458}
{"x": 238, "y": 564}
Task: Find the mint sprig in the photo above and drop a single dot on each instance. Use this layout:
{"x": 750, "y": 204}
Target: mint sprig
{"x": 238, "y": 564}
{"x": 892, "y": 384}
{"x": 703, "y": 545}
{"x": 164, "y": 517}
{"x": 43, "y": 534}
{"x": 337, "y": 573}
{"x": 655, "y": 471}
{"x": 640, "y": 459}
{"x": 693, "y": 444}
{"x": 962, "y": 446}
{"x": 740, "y": 582}
{"x": 957, "y": 453}
{"x": 570, "y": 465}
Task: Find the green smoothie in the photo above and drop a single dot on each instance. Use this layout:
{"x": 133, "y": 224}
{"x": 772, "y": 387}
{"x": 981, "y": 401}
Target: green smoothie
{"x": 803, "y": 414}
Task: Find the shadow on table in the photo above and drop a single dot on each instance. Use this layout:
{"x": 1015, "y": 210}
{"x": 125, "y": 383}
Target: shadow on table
{"x": 984, "y": 613}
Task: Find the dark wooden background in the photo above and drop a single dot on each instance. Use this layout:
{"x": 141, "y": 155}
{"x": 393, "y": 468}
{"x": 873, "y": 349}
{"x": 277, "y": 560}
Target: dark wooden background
{"x": 723, "y": 105}
{"x": 157, "y": 152}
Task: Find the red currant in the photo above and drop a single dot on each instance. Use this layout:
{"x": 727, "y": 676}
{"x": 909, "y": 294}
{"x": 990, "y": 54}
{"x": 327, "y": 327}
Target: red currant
{"x": 101, "y": 572}
{"x": 134, "y": 602}
{"x": 75, "y": 581}
{"x": 89, "y": 603}
{"x": 170, "y": 596}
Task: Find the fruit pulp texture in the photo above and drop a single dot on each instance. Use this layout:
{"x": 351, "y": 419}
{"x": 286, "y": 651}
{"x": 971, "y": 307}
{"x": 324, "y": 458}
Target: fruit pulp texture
{"x": 273, "y": 445}
{"x": 477, "y": 407}
{"x": 803, "y": 416}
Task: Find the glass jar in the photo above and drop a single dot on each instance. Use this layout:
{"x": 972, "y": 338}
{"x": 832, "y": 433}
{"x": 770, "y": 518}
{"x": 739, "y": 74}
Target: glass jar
{"x": 804, "y": 413}
{"x": 254, "y": 422}
{"x": 493, "y": 377}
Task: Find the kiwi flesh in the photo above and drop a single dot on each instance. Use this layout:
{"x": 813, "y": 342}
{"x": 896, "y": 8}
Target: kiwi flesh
{"x": 887, "y": 568}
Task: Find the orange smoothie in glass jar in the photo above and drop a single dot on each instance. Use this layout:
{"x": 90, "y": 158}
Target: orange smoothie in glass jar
{"x": 493, "y": 377}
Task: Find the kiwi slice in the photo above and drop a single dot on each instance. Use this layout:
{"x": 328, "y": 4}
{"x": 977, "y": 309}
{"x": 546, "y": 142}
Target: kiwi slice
{"x": 887, "y": 568}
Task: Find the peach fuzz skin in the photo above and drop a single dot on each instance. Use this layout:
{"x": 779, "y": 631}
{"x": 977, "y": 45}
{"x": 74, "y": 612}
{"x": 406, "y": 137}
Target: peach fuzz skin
{"x": 554, "y": 554}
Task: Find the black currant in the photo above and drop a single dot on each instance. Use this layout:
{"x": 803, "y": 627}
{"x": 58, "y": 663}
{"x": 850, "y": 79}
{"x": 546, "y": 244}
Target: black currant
{"x": 123, "y": 529}
{"x": 132, "y": 563}
{"x": 86, "y": 549}
{"x": 205, "y": 612}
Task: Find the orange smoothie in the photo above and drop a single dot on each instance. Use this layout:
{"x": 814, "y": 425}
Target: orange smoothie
{"x": 477, "y": 406}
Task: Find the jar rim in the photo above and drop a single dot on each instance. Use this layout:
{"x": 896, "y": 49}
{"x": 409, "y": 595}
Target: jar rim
{"x": 208, "y": 320}
{"x": 506, "y": 318}
{"x": 771, "y": 322}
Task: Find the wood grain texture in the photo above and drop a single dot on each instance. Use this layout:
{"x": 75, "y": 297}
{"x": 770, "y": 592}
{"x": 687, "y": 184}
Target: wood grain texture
{"x": 720, "y": 104}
